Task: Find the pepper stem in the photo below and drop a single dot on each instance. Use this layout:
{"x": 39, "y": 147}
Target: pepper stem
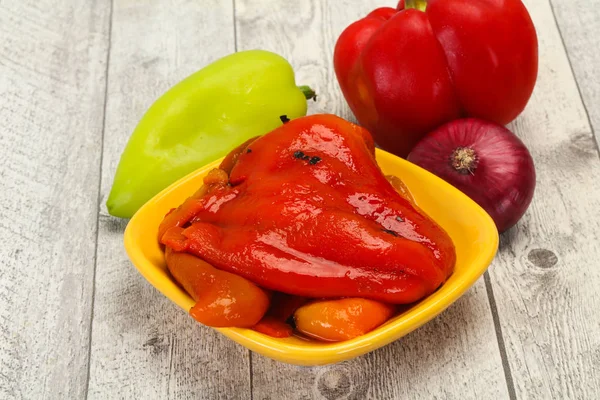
{"x": 308, "y": 92}
{"x": 420, "y": 5}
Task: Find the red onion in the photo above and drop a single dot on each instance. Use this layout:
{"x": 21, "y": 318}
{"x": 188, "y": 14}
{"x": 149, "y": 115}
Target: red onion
{"x": 485, "y": 161}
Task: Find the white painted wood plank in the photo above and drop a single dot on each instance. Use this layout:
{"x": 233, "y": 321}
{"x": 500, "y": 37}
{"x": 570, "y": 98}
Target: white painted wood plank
{"x": 454, "y": 357}
{"x": 547, "y": 275}
{"x": 52, "y": 71}
{"x": 143, "y": 346}
{"x": 579, "y": 24}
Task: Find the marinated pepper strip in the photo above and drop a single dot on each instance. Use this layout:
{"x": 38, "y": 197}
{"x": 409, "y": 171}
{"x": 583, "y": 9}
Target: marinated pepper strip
{"x": 308, "y": 212}
{"x": 281, "y": 309}
{"x": 216, "y": 178}
{"x": 343, "y": 319}
{"x": 284, "y": 305}
{"x": 273, "y": 327}
{"x": 222, "y": 299}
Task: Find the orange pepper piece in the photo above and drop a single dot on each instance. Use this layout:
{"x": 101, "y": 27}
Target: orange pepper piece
{"x": 222, "y": 299}
{"x": 343, "y": 319}
{"x": 174, "y": 239}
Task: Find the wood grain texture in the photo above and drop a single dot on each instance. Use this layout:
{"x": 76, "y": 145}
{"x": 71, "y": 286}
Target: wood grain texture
{"x": 547, "y": 272}
{"x": 52, "y": 68}
{"x": 53, "y": 58}
{"x": 143, "y": 346}
{"x": 579, "y": 24}
{"x": 454, "y": 357}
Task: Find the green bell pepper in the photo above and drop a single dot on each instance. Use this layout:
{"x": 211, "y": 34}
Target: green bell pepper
{"x": 201, "y": 119}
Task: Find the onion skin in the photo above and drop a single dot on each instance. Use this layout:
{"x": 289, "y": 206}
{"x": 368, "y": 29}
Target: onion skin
{"x": 501, "y": 176}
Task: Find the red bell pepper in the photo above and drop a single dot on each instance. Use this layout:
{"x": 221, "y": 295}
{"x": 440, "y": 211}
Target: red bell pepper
{"x": 306, "y": 211}
{"x": 404, "y": 71}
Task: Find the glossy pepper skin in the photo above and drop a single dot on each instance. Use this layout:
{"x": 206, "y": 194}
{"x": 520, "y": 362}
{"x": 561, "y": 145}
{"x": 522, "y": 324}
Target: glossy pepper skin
{"x": 308, "y": 212}
{"x": 343, "y": 319}
{"x": 200, "y": 119}
{"x": 222, "y": 299}
{"x": 404, "y": 72}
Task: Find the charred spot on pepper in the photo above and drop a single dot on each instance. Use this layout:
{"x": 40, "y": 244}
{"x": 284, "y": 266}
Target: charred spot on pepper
{"x": 291, "y": 321}
{"x": 301, "y": 156}
{"x": 284, "y": 119}
{"x": 388, "y": 231}
{"x": 311, "y": 160}
{"x": 248, "y": 150}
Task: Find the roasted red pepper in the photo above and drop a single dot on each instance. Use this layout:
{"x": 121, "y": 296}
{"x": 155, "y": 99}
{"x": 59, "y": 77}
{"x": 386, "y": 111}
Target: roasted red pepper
{"x": 222, "y": 299}
{"x": 307, "y": 211}
{"x": 343, "y": 319}
{"x": 274, "y": 327}
{"x": 283, "y": 306}
{"x": 405, "y": 72}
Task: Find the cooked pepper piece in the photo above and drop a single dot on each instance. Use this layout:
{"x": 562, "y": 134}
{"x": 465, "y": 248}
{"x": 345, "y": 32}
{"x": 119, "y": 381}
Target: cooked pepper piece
{"x": 174, "y": 239}
{"x": 281, "y": 309}
{"x": 274, "y": 327}
{"x": 216, "y": 178}
{"x": 343, "y": 319}
{"x": 284, "y": 305}
{"x": 325, "y": 223}
{"x": 231, "y": 159}
{"x": 222, "y": 299}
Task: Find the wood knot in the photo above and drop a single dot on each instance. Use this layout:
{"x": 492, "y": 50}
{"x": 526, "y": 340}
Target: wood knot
{"x": 542, "y": 258}
{"x": 334, "y": 384}
{"x": 583, "y": 145}
{"x": 157, "y": 344}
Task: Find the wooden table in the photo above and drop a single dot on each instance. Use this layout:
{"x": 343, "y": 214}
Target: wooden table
{"x": 78, "y": 321}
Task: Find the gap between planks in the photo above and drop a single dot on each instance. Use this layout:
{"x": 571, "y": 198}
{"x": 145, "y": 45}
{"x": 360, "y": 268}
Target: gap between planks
{"x": 99, "y": 200}
{"x": 510, "y": 385}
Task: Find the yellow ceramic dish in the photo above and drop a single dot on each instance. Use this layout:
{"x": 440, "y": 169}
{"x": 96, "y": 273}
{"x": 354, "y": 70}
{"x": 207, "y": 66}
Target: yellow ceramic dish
{"x": 470, "y": 227}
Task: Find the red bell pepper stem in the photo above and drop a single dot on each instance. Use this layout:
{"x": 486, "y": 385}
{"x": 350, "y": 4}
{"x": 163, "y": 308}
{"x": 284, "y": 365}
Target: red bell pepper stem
{"x": 416, "y": 4}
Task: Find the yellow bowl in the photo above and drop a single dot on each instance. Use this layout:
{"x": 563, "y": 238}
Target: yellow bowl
{"x": 470, "y": 227}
